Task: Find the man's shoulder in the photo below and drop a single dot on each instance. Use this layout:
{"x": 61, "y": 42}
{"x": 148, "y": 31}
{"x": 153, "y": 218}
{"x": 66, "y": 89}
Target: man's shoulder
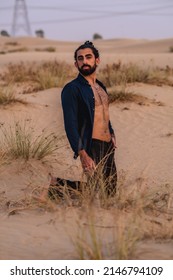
{"x": 72, "y": 89}
{"x": 72, "y": 84}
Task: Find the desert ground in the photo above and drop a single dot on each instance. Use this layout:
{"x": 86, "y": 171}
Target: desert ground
{"x": 138, "y": 222}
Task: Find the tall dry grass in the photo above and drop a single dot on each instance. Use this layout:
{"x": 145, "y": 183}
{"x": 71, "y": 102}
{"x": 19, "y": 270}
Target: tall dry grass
{"x": 135, "y": 214}
{"x": 171, "y": 49}
{"x": 87, "y": 242}
{"x": 8, "y": 96}
{"x": 118, "y": 73}
{"x": 56, "y": 74}
{"x": 47, "y": 49}
{"x": 44, "y": 75}
{"x": 109, "y": 227}
{"x": 2, "y": 156}
{"x": 122, "y": 94}
{"x": 22, "y": 141}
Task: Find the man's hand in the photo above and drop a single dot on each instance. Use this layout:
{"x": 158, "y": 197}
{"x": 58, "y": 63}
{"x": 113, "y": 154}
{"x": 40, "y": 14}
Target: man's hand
{"x": 88, "y": 164}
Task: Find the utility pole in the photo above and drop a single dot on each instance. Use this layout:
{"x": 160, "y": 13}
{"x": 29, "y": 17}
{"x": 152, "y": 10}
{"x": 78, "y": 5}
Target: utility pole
{"x": 20, "y": 18}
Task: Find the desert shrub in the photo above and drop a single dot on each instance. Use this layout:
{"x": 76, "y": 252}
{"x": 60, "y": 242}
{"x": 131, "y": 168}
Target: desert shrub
{"x": 171, "y": 49}
{"x": 2, "y": 156}
{"x": 20, "y": 72}
{"x": 21, "y": 141}
{"x": 56, "y": 74}
{"x": 88, "y": 243}
{"x": 46, "y": 80}
{"x": 7, "y": 96}
{"x": 121, "y": 94}
{"x": 118, "y": 73}
{"x": 160, "y": 76}
{"x": 12, "y": 43}
{"x": 45, "y": 74}
{"x": 22, "y": 49}
{"x": 52, "y": 74}
{"x": 48, "y": 49}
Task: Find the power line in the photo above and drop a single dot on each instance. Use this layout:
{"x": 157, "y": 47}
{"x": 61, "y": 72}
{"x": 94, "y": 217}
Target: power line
{"x": 110, "y": 14}
{"x": 97, "y": 14}
{"x": 72, "y": 9}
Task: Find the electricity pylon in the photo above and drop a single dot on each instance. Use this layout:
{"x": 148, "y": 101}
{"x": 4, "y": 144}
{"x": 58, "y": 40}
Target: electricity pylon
{"x": 20, "y": 18}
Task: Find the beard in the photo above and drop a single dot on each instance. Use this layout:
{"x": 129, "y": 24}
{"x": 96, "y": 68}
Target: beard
{"x": 86, "y": 72}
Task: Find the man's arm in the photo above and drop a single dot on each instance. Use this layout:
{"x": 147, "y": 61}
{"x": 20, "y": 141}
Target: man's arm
{"x": 69, "y": 99}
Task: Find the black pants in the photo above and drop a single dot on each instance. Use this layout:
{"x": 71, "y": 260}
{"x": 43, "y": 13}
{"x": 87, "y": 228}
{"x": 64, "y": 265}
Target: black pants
{"x": 103, "y": 155}
{"x": 105, "y": 175}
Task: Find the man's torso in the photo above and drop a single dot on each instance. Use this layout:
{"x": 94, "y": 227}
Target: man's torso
{"x": 101, "y": 114}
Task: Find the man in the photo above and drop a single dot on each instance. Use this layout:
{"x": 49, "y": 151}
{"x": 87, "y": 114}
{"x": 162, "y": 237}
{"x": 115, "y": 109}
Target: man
{"x": 86, "y": 118}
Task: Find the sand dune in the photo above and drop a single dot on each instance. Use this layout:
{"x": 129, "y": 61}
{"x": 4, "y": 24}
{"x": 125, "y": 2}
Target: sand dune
{"x": 142, "y": 52}
{"x": 119, "y": 45}
{"x": 144, "y": 153}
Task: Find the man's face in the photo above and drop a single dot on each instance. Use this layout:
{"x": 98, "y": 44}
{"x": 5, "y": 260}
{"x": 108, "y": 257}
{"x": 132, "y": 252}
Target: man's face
{"x": 86, "y": 62}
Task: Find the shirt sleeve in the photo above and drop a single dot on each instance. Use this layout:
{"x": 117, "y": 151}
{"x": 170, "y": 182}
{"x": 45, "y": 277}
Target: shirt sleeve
{"x": 70, "y": 106}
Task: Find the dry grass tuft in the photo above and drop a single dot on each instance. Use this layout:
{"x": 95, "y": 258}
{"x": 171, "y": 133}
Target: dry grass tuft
{"x": 7, "y": 96}
{"x": 169, "y": 134}
{"x": 171, "y": 49}
{"x": 135, "y": 214}
{"x": 21, "y": 141}
{"x": 21, "y": 49}
{"x": 44, "y": 75}
{"x": 47, "y": 49}
{"x": 88, "y": 243}
{"x": 121, "y": 94}
{"x": 143, "y": 199}
{"x": 138, "y": 213}
{"x": 2, "y": 157}
{"x": 55, "y": 74}
{"x": 118, "y": 73}
{"x": 12, "y": 43}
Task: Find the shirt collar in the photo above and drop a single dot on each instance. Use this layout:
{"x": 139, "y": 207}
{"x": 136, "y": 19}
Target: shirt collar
{"x": 83, "y": 80}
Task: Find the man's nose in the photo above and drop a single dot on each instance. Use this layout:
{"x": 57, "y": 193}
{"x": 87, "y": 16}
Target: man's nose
{"x": 84, "y": 60}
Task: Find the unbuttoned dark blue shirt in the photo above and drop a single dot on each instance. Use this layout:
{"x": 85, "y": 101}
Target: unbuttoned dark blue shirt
{"x": 78, "y": 109}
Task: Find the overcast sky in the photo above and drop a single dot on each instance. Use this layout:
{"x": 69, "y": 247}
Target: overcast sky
{"x": 78, "y": 20}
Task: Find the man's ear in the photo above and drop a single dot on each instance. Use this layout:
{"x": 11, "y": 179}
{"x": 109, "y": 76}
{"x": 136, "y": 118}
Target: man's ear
{"x": 75, "y": 64}
{"x": 97, "y": 61}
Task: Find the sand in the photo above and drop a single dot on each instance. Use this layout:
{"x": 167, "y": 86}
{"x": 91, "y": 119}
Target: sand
{"x": 143, "y": 154}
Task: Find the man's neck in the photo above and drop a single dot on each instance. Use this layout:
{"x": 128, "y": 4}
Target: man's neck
{"x": 91, "y": 79}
